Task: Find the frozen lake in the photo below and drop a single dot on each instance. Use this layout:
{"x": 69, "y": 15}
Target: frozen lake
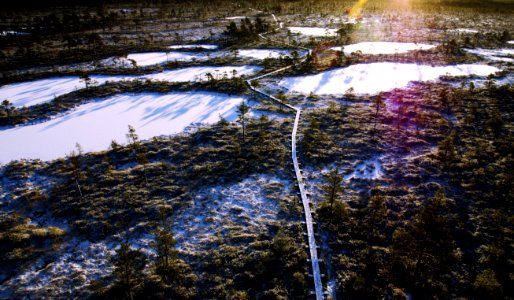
{"x": 44, "y": 90}
{"x": 377, "y": 77}
{"x": 376, "y": 48}
{"x": 313, "y": 31}
{"x": 94, "y": 125}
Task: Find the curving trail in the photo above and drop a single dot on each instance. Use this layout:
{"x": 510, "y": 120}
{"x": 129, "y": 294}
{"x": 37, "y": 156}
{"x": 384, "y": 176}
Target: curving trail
{"x": 313, "y": 253}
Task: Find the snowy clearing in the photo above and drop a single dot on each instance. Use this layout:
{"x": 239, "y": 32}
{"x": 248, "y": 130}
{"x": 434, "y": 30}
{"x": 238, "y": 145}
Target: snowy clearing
{"x": 367, "y": 170}
{"x": 376, "y": 48}
{"x": 94, "y": 125}
{"x": 44, "y": 90}
{"x": 313, "y": 31}
{"x": 377, "y": 77}
{"x": 235, "y": 211}
{"x": 506, "y": 55}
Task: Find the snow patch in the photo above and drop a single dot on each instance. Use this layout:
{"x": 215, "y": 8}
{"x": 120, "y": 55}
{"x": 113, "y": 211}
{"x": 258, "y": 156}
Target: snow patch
{"x": 377, "y": 77}
{"x": 376, "y": 48}
{"x": 248, "y": 205}
{"x": 370, "y": 169}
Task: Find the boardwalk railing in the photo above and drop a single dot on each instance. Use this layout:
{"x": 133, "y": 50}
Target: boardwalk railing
{"x": 313, "y": 253}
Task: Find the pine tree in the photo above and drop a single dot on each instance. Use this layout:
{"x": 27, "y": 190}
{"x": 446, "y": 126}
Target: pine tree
{"x": 242, "y": 110}
{"x": 128, "y": 269}
{"x": 424, "y": 249}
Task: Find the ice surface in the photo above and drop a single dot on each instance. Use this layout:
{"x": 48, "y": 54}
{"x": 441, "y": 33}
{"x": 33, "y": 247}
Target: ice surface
{"x": 264, "y": 53}
{"x": 506, "y": 55}
{"x": 200, "y": 73}
{"x": 156, "y": 58}
{"x": 206, "y": 47}
{"x": 464, "y": 30}
{"x": 44, "y": 90}
{"x": 375, "y": 48}
{"x": 313, "y": 31}
{"x": 377, "y": 77}
{"x": 94, "y": 125}
{"x": 236, "y": 18}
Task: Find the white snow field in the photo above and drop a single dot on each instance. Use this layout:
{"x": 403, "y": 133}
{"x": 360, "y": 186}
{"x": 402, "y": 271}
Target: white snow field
{"x": 510, "y": 42}
{"x": 377, "y": 77}
{"x": 506, "y": 55}
{"x": 264, "y": 53}
{"x": 94, "y": 125}
{"x": 205, "y": 47}
{"x": 44, "y": 90}
{"x": 375, "y": 48}
{"x": 313, "y": 31}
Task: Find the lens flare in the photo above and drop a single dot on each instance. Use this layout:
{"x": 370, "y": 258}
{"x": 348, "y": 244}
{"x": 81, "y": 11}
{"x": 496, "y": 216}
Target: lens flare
{"x": 356, "y": 10}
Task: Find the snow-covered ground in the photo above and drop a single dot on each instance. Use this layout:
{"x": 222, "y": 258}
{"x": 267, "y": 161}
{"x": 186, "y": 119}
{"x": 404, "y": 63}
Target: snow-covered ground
{"x": 369, "y": 169}
{"x": 205, "y": 47}
{"x": 376, "y": 48}
{"x": 377, "y": 77}
{"x": 72, "y": 271}
{"x": 229, "y": 211}
{"x": 510, "y": 42}
{"x": 313, "y": 31}
{"x": 94, "y": 125}
{"x": 506, "y": 55}
{"x": 44, "y": 90}
{"x": 264, "y": 53}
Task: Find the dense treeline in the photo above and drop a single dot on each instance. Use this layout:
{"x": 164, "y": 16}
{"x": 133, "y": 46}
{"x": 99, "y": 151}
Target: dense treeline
{"x": 439, "y": 224}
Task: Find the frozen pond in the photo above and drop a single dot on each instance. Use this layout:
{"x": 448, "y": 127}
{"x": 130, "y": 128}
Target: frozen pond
{"x": 94, "y": 125}
{"x": 204, "y": 47}
{"x": 376, "y": 48}
{"x": 377, "y": 77}
{"x": 157, "y": 58}
{"x": 313, "y": 31}
{"x": 506, "y": 55}
{"x": 264, "y": 53}
{"x": 44, "y": 90}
